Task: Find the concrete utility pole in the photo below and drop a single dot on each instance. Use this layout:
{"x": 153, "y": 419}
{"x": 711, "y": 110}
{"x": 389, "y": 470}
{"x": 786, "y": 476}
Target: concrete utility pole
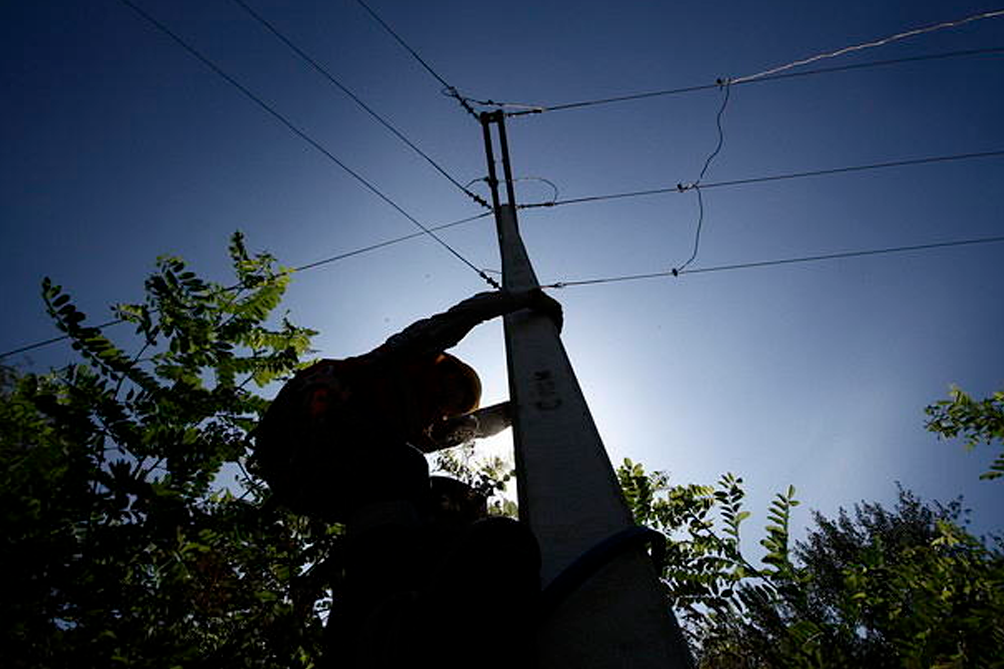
{"x": 603, "y": 601}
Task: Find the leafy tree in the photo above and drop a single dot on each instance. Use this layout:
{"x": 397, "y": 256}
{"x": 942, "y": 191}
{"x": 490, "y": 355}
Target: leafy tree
{"x": 117, "y": 548}
{"x": 979, "y": 421}
{"x": 708, "y": 579}
{"x": 877, "y": 588}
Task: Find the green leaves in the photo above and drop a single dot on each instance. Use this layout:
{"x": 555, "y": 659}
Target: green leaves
{"x": 979, "y": 421}
{"x": 908, "y": 587}
{"x": 776, "y": 541}
{"x": 707, "y": 577}
{"x": 117, "y": 546}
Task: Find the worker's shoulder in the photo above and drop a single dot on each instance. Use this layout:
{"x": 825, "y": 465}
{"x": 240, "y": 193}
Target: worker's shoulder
{"x": 327, "y": 369}
{"x": 367, "y": 366}
{"x": 331, "y": 368}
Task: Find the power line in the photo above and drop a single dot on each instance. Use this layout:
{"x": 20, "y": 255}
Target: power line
{"x": 540, "y": 109}
{"x": 875, "y": 43}
{"x": 53, "y": 340}
{"x": 681, "y": 188}
{"x": 355, "y": 98}
{"x": 302, "y": 268}
{"x": 447, "y": 88}
{"x": 302, "y": 134}
{"x": 773, "y": 263}
{"x": 389, "y": 242}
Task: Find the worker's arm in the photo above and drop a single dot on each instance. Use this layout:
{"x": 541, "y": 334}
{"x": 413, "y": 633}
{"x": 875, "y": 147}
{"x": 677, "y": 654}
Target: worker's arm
{"x": 458, "y": 430}
{"x": 442, "y": 331}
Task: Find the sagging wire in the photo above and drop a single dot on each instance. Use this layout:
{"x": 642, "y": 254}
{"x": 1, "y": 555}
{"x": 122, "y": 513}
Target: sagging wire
{"x": 725, "y": 84}
{"x": 548, "y": 203}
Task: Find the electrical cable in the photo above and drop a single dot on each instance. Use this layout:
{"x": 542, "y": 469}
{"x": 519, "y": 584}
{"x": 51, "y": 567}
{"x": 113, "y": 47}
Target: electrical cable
{"x": 53, "y": 340}
{"x": 540, "y": 109}
{"x": 449, "y": 90}
{"x": 550, "y": 183}
{"x": 696, "y": 186}
{"x": 331, "y": 79}
{"x": 679, "y": 188}
{"x": 777, "y": 262}
{"x": 727, "y": 85}
{"x": 389, "y": 242}
{"x": 301, "y": 268}
{"x": 303, "y": 135}
{"x": 876, "y": 43}
{"x": 554, "y": 187}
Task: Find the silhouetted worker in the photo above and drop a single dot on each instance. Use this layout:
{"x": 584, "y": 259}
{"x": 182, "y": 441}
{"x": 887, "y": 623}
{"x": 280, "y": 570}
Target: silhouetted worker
{"x": 344, "y": 441}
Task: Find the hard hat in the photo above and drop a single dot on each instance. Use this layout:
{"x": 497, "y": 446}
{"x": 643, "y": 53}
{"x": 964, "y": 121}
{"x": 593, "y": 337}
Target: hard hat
{"x": 464, "y": 384}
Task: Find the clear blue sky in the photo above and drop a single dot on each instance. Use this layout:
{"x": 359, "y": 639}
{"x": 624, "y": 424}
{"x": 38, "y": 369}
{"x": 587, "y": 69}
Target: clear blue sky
{"x": 117, "y": 146}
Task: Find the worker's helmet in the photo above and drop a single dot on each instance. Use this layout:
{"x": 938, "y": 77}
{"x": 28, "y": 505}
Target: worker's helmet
{"x": 460, "y": 387}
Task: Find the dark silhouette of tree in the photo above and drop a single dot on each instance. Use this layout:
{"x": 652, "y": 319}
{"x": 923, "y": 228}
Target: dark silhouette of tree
{"x": 117, "y": 548}
{"x": 907, "y": 587}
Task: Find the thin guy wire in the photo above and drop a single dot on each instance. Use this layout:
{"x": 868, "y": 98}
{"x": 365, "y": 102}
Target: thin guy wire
{"x": 869, "y": 45}
{"x": 303, "y": 135}
{"x": 757, "y": 180}
{"x": 331, "y": 78}
{"x": 540, "y": 109}
{"x": 697, "y": 184}
{"x": 772, "y": 263}
{"x": 450, "y": 90}
{"x": 302, "y": 268}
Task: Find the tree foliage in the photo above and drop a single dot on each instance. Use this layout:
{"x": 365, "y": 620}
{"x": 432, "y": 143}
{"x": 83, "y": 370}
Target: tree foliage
{"x": 908, "y": 587}
{"x": 979, "y": 421}
{"x": 486, "y": 475}
{"x": 117, "y": 547}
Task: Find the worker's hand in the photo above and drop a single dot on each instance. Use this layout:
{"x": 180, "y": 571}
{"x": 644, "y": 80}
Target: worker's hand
{"x": 542, "y": 303}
